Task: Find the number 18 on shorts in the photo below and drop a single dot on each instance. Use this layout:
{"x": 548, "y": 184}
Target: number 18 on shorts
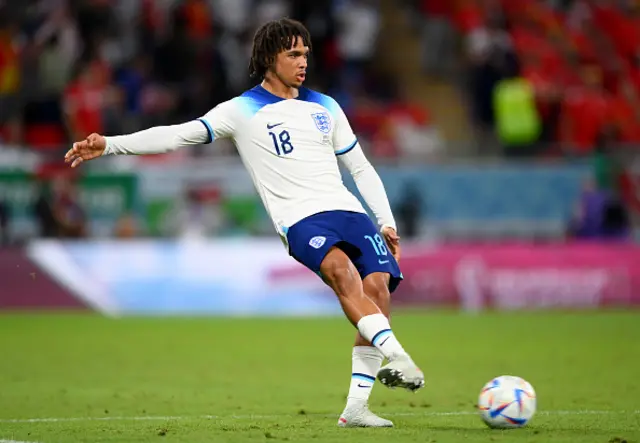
{"x": 311, "y": 239}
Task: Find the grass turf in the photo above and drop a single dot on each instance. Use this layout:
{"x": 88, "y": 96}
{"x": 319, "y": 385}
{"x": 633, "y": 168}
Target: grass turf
{"x": 235, "y": 380}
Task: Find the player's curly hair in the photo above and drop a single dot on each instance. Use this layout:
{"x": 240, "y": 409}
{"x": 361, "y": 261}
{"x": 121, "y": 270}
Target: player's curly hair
{"x": 272, "y": 38}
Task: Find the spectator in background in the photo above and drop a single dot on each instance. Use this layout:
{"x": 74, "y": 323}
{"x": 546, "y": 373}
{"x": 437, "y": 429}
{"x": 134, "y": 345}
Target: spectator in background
{"x": 56, "y": 49}
{"x": 132, "y": 80}
{"x": 600, "y": 215}
{"x": 584, "y": 113}
{"x": 409, "y": 211}
{"x": 518, "y": 123}
{"x": 437, "y": 37}
{"x": 55, "y": 71}
{"x": 358, "y": 27}
{"x": 317, "y": 16}
{"x": 624, "y": 113}
{"x": 86, "y": 98}
{"x": 118, "y": 66}
{"x": 234, "y": 19}
{"x": 233, "y": 15}
{"x": 491, "y": 58}
{"x": 174, "y": 62}
{"x": 70, "y": 217}
{"x": 44, "y": 213}
{"x": 547, "y": 94}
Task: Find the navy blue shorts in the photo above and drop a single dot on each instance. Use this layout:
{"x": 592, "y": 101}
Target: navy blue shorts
{"x": 311, "y": 238}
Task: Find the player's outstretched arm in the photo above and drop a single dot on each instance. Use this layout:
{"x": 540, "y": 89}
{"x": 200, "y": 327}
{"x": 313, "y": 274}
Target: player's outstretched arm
{"x": 88, "y": 149}
{"x": 372, "y": 190}
{"x": 156, "y": 140}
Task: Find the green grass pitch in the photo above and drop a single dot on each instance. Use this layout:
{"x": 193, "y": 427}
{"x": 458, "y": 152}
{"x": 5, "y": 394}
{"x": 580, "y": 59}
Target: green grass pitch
{"x": 83, "y": 378}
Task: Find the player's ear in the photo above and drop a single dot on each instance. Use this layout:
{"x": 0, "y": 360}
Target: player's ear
{"x": 270, "y": 62}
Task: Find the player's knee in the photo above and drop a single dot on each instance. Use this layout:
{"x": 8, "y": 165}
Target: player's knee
{"x": 338, "y": 271}
{"x": 377, "y": 289}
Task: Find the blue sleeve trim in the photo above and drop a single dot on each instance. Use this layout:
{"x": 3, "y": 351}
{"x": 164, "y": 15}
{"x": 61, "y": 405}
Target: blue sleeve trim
{"x": 348, "y": 148}
{"x": 209, "y": 130}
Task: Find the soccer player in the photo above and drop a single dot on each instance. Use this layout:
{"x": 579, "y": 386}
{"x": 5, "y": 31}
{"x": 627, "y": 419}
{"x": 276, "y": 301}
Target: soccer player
{"x": 290, "y": 139}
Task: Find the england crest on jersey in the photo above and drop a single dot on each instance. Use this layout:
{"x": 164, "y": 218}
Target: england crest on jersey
{"x": 322, "y": 121}
{"x": 317, "y": 241}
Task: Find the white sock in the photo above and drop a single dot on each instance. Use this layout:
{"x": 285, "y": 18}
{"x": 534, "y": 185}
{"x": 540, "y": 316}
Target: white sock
{"x": 377, "y": 330}
{"x": 366, "y": 361}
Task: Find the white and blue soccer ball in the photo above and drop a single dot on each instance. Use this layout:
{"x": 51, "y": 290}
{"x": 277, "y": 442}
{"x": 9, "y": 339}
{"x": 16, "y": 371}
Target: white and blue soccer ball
{"x": 507, "y": 402}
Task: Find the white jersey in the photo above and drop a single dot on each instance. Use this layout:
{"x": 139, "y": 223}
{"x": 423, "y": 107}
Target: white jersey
{"x": 290, "y": 148}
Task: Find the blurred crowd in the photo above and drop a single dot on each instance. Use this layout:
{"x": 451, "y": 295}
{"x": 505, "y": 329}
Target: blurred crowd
{"x": 72, "y": 67}
{"x": 550, "y": 78}
{"x": 539, "y": 74}
{"x": 543, "y": 76}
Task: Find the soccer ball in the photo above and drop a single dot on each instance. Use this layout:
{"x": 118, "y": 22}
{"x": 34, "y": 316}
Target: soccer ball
{"x": 507, "y": 402}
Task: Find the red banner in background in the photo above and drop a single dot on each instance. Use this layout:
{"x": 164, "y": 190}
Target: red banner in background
{"x": 521, "y": 276}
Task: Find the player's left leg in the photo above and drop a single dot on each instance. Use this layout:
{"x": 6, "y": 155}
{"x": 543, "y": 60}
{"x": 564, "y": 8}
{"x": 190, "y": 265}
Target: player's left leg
{"x": 366, "y": 362}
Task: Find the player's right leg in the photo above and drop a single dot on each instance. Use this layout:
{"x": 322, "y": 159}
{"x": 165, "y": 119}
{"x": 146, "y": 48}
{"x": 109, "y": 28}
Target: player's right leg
{"x": 341, "y": 275}
{"x": 339, "y": 272}
{"x": 367, "y": 362}
{"x": 381, "y": 275}
{"x": 402, "y": 373}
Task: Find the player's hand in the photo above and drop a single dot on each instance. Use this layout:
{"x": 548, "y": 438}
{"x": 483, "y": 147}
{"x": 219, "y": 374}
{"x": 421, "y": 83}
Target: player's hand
{"x": 393, "y": 241}
{"x": 91, "y": 147}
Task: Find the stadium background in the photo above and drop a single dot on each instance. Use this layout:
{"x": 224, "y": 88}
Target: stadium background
{"x": 507, "y": 134}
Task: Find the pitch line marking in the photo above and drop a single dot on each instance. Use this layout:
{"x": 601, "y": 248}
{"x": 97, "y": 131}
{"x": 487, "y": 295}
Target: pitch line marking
{"x": 276, "y": 416}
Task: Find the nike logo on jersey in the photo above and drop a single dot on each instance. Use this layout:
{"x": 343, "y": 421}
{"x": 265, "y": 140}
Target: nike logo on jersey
{"x": 384, "y": 341}
{"x": 274, "y": 125}
{"x": 382, "y": 262}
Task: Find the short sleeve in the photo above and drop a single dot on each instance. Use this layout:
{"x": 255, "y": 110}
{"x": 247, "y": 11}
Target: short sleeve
{"x": 220, "y": 121}
{"x": 344, "y": 140}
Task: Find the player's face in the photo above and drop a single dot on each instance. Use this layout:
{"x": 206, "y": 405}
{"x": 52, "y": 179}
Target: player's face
{"x": 291, "y": 65}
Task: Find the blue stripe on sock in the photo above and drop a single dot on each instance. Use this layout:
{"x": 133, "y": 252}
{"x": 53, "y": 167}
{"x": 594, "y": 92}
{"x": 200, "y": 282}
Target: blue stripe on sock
{"x": 363, "y": 377}
{"x": 380, "y": 335}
